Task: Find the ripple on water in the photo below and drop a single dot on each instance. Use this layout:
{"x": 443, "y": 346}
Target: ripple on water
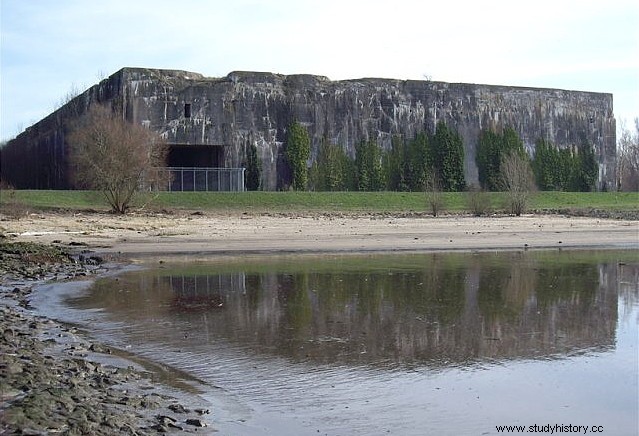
{"x": 411, "y": 344}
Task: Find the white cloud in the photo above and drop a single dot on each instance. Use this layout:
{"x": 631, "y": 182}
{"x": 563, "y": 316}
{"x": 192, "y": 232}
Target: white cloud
{"x": 587, "y": 44}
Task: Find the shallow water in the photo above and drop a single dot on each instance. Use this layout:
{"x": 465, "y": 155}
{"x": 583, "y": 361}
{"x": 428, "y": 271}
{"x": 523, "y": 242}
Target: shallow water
{"x": 447, "y": 344}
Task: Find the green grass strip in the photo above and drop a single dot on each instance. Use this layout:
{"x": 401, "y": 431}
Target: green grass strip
{"x": 312, "y": 202}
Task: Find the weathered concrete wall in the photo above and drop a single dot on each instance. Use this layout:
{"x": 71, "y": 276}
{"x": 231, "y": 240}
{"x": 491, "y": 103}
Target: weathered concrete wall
{"x": 256, "y": 108}
{"x": 249, "y": 107}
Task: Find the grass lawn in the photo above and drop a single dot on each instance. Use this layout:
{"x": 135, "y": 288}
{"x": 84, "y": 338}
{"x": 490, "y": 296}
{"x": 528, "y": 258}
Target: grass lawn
{"x": 312, "y": 202}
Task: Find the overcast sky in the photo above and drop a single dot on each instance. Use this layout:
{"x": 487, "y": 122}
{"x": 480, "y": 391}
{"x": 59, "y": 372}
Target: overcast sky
{"x": 50, "y": 47}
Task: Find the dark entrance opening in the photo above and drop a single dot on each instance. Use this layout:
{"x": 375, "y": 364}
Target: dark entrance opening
{"x": 210, "y": 156}
{"x": 201, "y": 168}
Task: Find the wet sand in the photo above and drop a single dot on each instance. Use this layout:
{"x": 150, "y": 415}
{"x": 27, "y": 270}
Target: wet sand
{"x": 162, "y": 234}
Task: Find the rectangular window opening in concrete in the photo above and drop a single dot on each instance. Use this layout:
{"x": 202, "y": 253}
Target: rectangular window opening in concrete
{"x": 187, "y": 110}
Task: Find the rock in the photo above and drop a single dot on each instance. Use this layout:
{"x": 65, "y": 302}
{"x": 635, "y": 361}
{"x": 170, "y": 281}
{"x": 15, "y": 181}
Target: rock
{"x": 150, "y": 402}
{"x": 178, "y": 408}
{"x": 33, "y": 432}
{"x": 130, "y": 401}
{"x": 14, "y": 368}
{"x": 160, "y": 428}
{"x": 196, "y": 422}
{"x": 164, "y": 419}
{"x": 94, "y": 260}
{"x": 97, "y": 348}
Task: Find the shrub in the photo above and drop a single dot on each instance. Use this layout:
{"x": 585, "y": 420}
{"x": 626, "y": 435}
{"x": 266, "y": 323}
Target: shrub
{"x": 331, "y": 170}
{"x": 369, "y": 166}
{"x": 115, "y": 157}
{"x": 478, "y": 201}
{"x": 491, "y": 149}
{"x": 448, "y": 158}
{"x": 12, "y": 206}
{"x": 434, "y": 196}
{"x": 298, "y": 151}
{"x": 518, "y": 181}
{"x": 253, "y": 168}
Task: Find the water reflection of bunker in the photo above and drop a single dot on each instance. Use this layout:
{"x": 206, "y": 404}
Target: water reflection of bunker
{"x": 417, "y": 344}
{"x": 439, "y": 313}
{"x": 203, "y": 292}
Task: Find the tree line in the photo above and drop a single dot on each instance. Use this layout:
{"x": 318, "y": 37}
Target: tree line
{"x": 429, "y": 160}
{"x": 405, "y": 167}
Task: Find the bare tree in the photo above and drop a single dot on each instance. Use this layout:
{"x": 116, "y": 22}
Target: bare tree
{"x": 477, "y": 200}
{"x": 115, "y": 157}
{"x": 628, "y": 158}
{"x": 518, "y": 181}
{"x": 73, "y": 92}
{"x": 434, "y": 196}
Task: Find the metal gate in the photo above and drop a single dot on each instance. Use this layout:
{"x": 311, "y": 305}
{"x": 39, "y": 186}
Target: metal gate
{"x": 206, "y": 179}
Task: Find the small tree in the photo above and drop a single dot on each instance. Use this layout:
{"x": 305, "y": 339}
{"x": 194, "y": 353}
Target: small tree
{"x": 253, "y": 168}
{"x": 418, "y": 162}
{"x": 368, "y": 161}
{"x": 330, "y": 170}
{"x": 545, "y": 165}
{"x": 434, "y": 196}
{"x": 518, "y": 181}
{"x": 115, "y": 157}
{"x": 448, "y": 158}
{"x": 566, "y": 169}
{"x": 491, "y": 148}
{"x": 393, "y": 162}
{"x": 585, "y": 171}
{"x": 488, "y": 159}
{"x": 477, "y": 200}
{"x": 298, "y": 150}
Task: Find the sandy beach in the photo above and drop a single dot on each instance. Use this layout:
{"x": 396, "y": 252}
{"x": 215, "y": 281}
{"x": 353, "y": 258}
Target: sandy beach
{"x": 131, "y": 403}
{"x": 138, "y": 235}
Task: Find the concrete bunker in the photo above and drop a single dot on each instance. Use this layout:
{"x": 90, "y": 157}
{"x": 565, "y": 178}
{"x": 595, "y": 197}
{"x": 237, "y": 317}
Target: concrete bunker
{"x": 210, "y": 122}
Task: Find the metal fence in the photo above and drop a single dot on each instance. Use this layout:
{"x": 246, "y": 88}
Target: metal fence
{"x": 206, "y": 179}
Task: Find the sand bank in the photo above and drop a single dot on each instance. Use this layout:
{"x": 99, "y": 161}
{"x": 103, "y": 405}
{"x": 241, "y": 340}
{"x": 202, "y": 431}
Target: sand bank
{"x": 159, "y": 234}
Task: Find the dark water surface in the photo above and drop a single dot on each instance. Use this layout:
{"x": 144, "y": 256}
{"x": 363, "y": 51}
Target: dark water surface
{"x": 445, "y": 344}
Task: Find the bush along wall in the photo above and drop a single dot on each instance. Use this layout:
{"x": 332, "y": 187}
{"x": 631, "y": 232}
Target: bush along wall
{"x": 406, "y": 166}
{"x": 492, "y": 148}
{"x": 567, "y": 169}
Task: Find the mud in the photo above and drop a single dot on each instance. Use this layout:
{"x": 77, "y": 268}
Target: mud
{"x": 54, "y": 380}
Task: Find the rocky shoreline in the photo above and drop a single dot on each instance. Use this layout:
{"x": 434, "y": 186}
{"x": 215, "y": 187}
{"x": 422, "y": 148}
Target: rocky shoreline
{"x": 55, "y": 381}
{"x": 626, "y": 215}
